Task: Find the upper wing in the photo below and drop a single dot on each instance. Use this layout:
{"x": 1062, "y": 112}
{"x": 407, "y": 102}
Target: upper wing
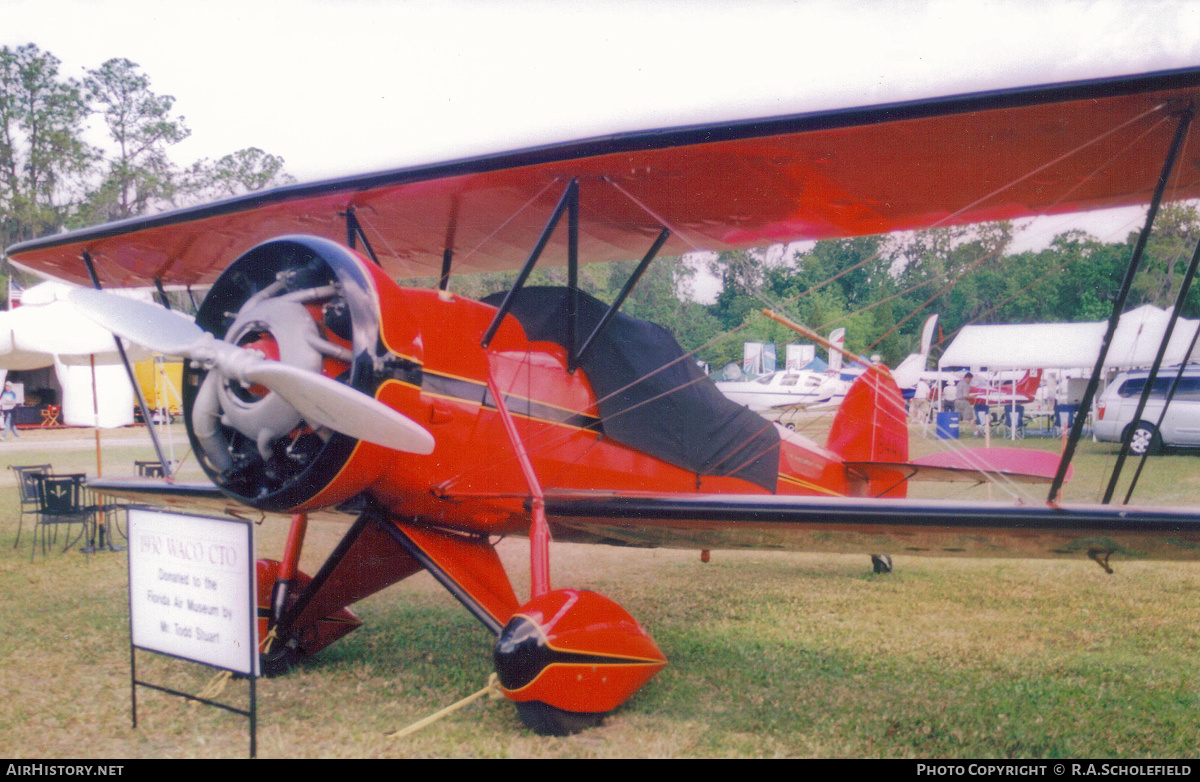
{"x": 968, "y": 158}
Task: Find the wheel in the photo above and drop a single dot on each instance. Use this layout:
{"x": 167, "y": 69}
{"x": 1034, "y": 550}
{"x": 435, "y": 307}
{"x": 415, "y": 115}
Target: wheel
{"x": 1144, "y": 439}
{"x": 882, "y": 563}
{"x": 281, "y": 659}
{"x": 546, "y": 720}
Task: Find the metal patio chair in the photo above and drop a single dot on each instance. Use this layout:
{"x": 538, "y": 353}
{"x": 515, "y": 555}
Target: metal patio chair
{"x": 62, "y": 501}
{"x": 149, "y": 469}
{"x": 27, "y": 491}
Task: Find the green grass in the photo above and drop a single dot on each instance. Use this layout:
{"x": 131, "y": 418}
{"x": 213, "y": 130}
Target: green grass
{"x": 771, "y": 654}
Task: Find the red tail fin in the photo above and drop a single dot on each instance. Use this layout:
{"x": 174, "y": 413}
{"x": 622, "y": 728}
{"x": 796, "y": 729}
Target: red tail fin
{"x": 1028, "y": 385}
{"x": 871, "y": 425}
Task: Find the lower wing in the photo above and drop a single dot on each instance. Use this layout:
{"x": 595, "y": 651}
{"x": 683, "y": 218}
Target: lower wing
{"x": 894, "y": 526}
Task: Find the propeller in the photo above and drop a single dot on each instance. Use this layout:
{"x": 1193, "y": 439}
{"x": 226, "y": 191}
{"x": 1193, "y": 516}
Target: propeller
{"x": 320, "y": 400}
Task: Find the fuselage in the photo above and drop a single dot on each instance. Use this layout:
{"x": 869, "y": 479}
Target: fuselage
{"x": 657, "y": 426}
{"x": 1006, "y": 393}
{"x": 785, "y": 388}
{"x": 472, "y": 480}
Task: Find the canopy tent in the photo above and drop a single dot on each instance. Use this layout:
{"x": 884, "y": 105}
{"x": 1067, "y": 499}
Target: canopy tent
{"x": 45, "y": 330}
{"x": 1070, "y": 345}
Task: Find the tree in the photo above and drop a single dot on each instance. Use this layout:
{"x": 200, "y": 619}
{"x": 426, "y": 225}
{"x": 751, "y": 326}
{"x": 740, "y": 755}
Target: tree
{"x": 1075, "y": 279}
{"x": 742, "y": 277}
{"x": 838, "y": 283}
{"x": 43, "y": 158}
{"x": 244, "y": 171}
{"x": 1168, "y": 252}
{"x": 958, "y": 272}
{"x": 657, "y": 298}
{"x": 140, "y": 175}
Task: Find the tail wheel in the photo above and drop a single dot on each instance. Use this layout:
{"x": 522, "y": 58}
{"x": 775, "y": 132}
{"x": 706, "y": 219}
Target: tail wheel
{"x": 1144, "y": 438}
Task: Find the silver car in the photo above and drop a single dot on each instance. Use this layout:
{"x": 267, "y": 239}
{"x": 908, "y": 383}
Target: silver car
{"x": 1181, "y": 426}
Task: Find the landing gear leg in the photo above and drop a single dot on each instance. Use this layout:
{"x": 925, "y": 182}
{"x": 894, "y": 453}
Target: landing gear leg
{"x": 882, "y": 563}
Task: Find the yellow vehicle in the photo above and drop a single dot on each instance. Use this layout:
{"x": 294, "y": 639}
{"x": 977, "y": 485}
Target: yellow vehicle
{"x": 161, "y": 380}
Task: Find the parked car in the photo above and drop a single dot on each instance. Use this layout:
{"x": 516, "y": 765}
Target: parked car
{"x": 1181, "y": 426}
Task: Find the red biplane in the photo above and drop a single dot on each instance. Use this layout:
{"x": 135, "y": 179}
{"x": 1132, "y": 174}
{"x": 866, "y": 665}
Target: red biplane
{"x": 442, "y": 423}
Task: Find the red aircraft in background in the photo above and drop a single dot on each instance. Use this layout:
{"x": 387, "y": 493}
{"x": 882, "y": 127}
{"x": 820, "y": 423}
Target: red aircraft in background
{"x": 1008, "y": 392}
{"x": 440, "y": 423}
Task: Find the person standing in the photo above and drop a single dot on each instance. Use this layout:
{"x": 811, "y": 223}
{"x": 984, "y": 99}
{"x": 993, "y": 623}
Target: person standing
{"x": 8, "y": 403}
{"x": 962, "y": 404}
{"x": 920, "y": 403}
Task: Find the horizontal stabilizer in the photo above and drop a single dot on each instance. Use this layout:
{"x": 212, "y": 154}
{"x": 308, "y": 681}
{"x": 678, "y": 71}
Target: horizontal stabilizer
{"x": 972, "y": 465}
{"x": 1009, "y": 462}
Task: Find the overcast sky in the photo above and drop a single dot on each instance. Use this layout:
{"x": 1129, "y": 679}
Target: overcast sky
{"x": 346, "y": 86}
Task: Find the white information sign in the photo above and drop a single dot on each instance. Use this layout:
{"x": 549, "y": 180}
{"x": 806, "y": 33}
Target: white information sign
{"x": 191, "y": 588}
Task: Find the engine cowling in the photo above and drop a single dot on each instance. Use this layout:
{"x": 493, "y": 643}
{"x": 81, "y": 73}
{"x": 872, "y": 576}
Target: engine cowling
{"x": 308, "y": 302}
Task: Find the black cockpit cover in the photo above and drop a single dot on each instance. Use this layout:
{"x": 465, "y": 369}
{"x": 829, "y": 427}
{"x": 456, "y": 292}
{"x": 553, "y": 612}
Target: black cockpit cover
{"x": 675, "y": 414}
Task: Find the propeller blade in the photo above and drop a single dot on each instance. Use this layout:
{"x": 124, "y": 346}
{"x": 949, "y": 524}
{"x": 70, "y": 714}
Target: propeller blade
{"x": 320, "y": 400}
{"x": 324, "y": 401}
{"x": 140, "y": 322}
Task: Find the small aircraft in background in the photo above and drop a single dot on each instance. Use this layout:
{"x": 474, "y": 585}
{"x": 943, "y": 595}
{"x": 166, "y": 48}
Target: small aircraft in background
{"x": 785, "y": 388}
{"x": 793, "y": 388}
{"x": 1004, "y": 392}
{"x": 439, "y": 424}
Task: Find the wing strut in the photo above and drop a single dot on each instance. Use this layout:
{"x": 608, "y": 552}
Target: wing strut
{"x": 569, "y": 203}
{"x": 625, "y": 291}
{"x": 444, "y": 280}
{"x": 354, "y": 232}
{"x": 539, "y": 530}
{"x": 162, "y": 293}
{"x": 448, "y": 252}
{"x": 570, "y": 198}
{"x": 1085, "y": 404}
{"x": 137, "y": 389}
{"x": 1147, "y": 389}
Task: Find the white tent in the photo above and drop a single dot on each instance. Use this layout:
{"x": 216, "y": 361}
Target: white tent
{"x": 1070, "y": 345}
{"x": 46, "y": 330}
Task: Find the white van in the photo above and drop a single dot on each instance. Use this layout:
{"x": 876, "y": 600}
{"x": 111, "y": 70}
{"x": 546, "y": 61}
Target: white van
{"x": 1118, "y": 403}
